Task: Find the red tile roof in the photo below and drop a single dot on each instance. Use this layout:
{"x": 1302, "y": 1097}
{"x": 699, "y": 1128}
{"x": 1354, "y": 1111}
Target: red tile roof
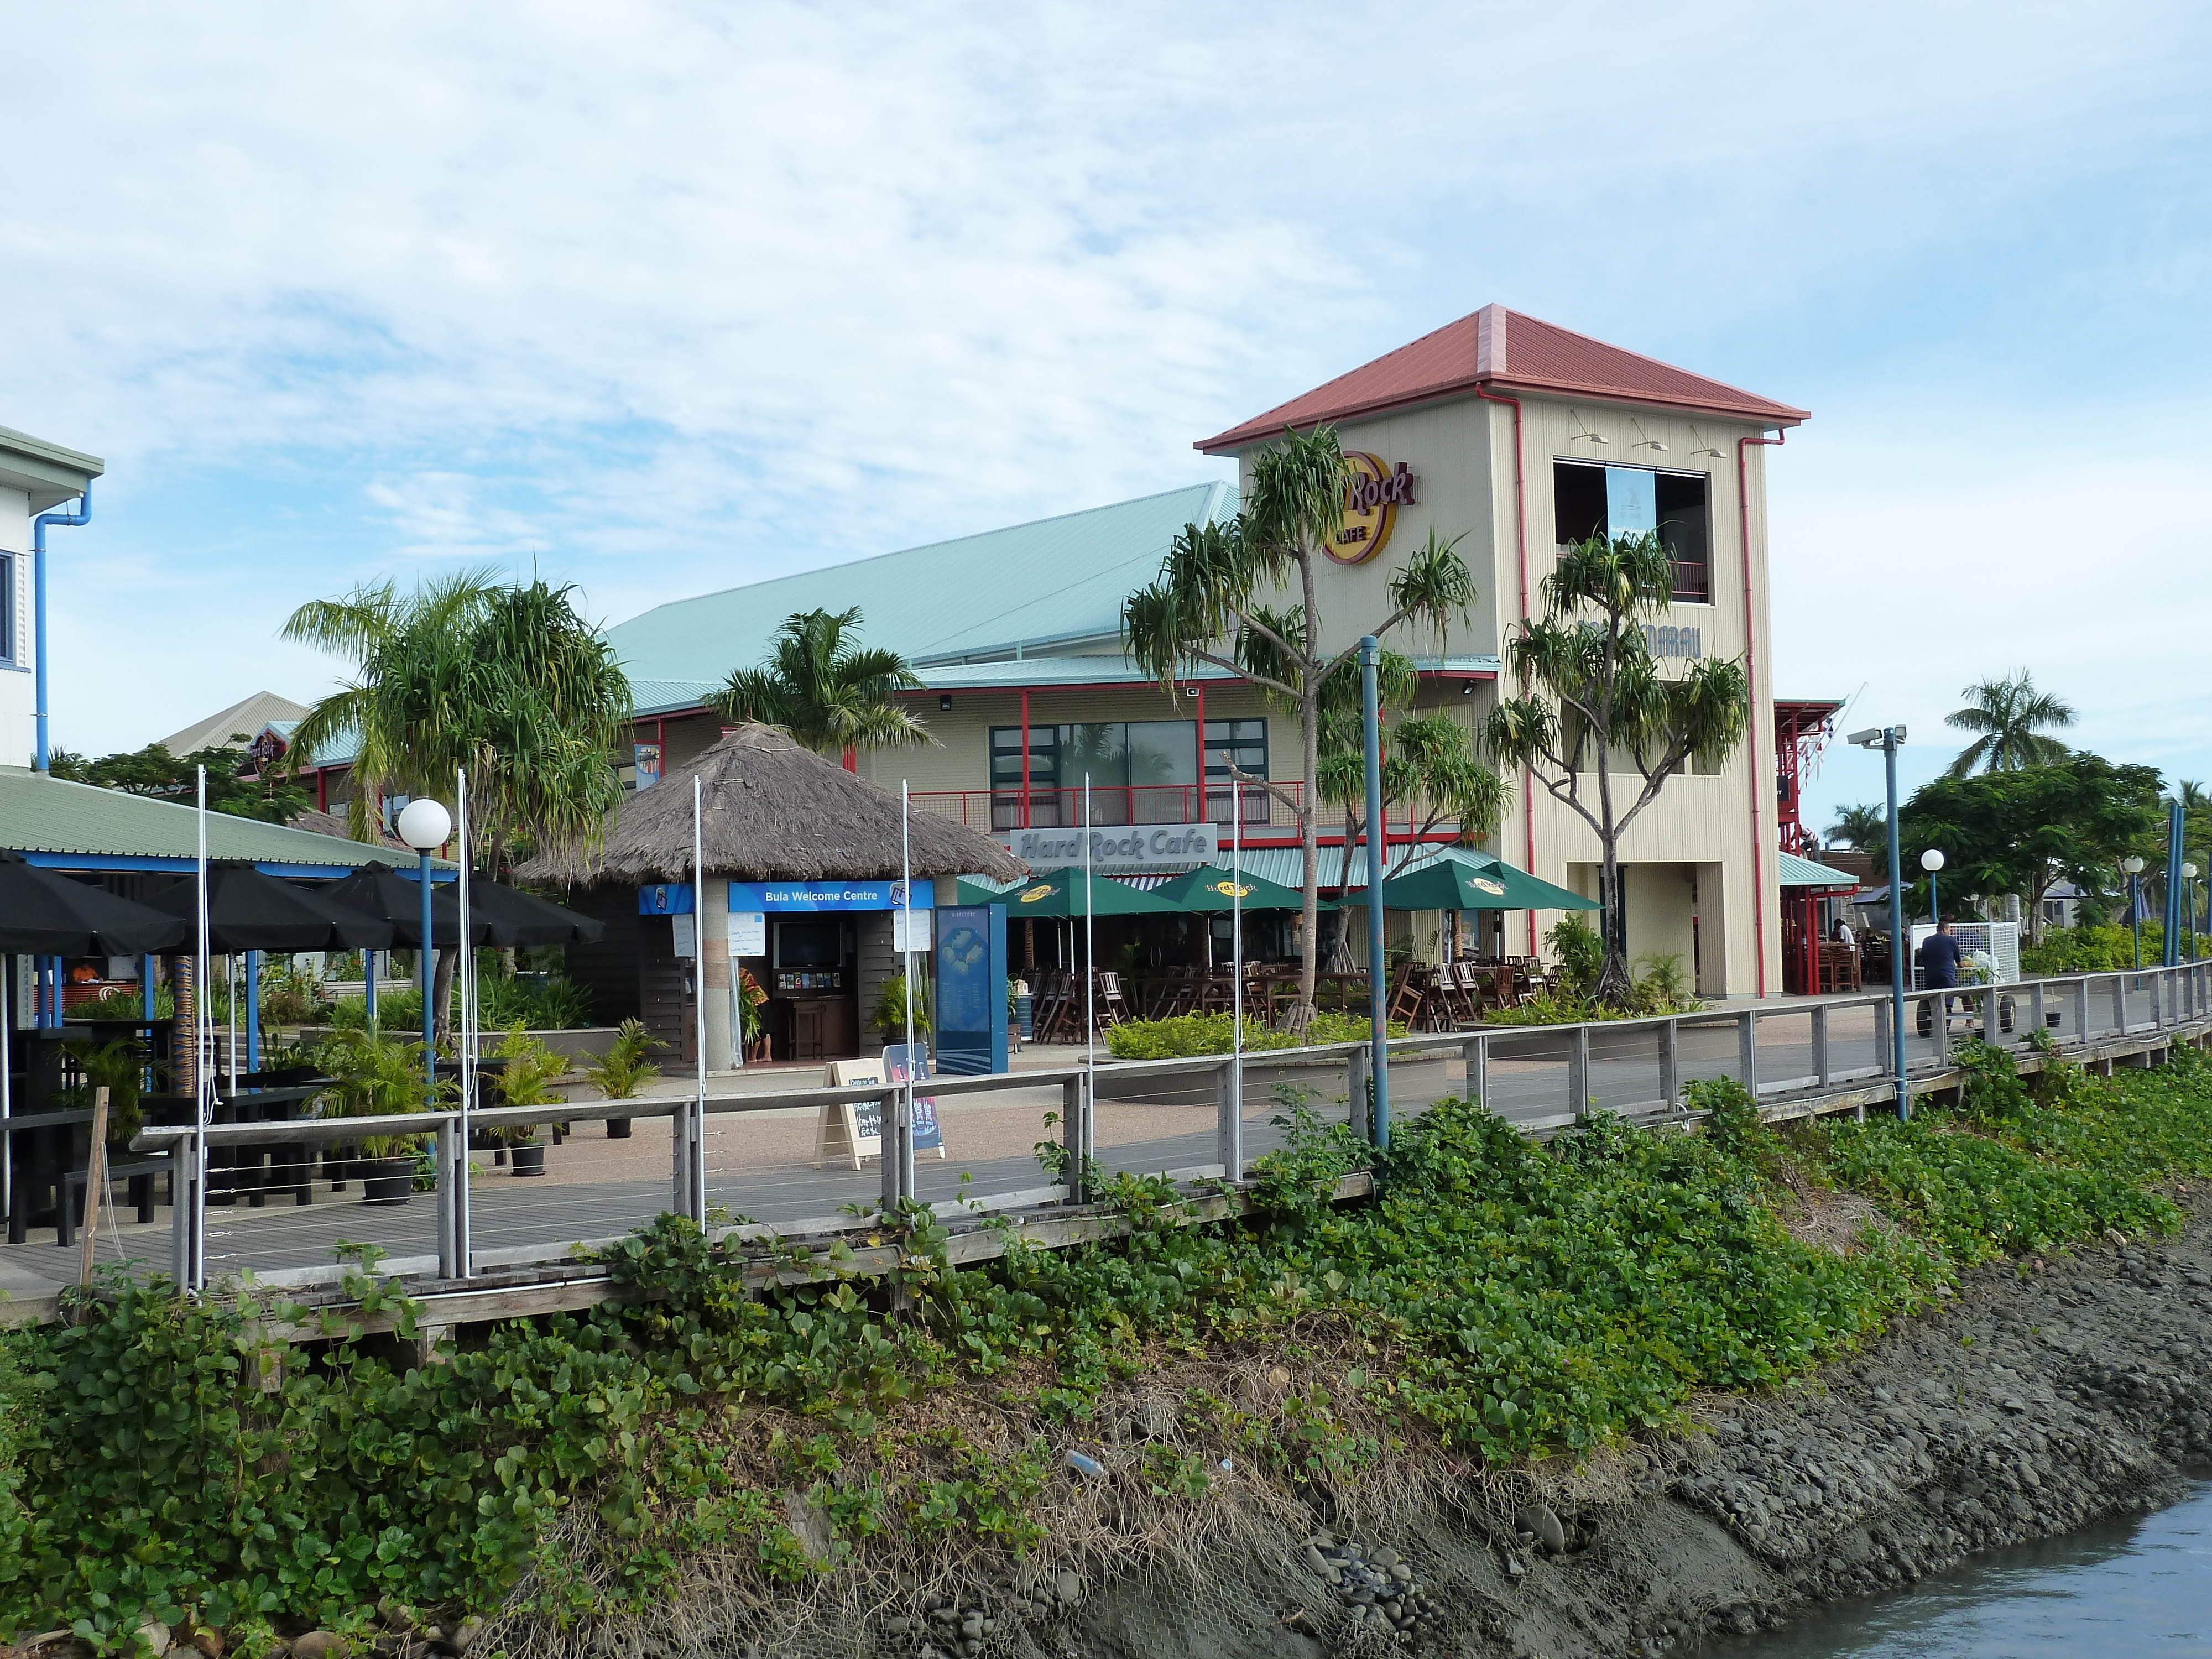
{"x": 1509, "y": 351}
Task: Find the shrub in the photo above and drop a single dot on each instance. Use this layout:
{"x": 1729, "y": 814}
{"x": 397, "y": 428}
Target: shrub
{"x": 890, "y": 1017}
{"x": 624, "y": 1069}
{"x": 1186, "y": 1036}
{"x": 1578, "y": 954}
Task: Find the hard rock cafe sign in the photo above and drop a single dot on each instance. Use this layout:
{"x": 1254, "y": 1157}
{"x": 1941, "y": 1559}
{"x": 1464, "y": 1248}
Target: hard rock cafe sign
{"x": 1371, "y": 500}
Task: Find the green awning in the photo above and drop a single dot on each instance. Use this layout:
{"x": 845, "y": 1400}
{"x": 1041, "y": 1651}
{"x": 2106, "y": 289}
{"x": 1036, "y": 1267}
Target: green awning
{"x": 1208, "y": 889}
{"x": 1804, "y": 873}
{"x": 1458, "y": 880}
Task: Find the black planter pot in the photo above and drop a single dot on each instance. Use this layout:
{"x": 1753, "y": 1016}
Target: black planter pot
{"x": 385, "y": 1179}
{"x": 617, "y": 1128}
{"x": 529, "y": 1159}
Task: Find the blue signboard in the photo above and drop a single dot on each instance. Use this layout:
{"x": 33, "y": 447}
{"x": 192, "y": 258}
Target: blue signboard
{"x": 971, "y": 989}
{"x": 668, "y": 899}
{"x": 790, "y": 895}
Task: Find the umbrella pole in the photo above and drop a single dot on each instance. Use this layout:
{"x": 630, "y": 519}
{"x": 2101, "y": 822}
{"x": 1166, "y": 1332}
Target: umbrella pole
{"x": 1236, "y": 1145}
{"x": 696, "y": 1172}
{"x": 204, "y": 1071}
{"x": 1090, "y": 989}
{"x": 903, "y": 1141}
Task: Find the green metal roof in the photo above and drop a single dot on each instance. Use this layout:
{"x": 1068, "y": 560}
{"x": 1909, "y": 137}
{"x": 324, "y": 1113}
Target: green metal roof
{"x": 1052, "y": 582}
{"x": 56, "y": 823}
{"x": 45, "y": 471}
{"x": 1803, "y": 873}
{"x": 1104, "y": 670}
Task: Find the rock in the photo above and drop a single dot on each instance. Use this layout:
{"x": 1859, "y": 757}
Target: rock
{"x": 809, "y": 1524}
{"x": 156, "y": 1635}
{"x": 1402, "y": 1572}
{"x": 902, "y": 1626}
{"x": 1537, "y": 1518}
{"x": 1067, "y": 1587}
{"x": 1155, "y": 1421}
{"x": 466, "y": 1633}
{"x": 318, "y": 1644}
{"x": 1385, "y": 1557}
{"x": 1322, "y": 1565}
{"x": 212, "y": 1641}
{"x": 972, "y": 1626}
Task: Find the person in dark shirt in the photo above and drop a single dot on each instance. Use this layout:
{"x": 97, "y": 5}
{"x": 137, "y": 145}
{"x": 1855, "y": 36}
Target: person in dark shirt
{"x": 1939, "y": 962}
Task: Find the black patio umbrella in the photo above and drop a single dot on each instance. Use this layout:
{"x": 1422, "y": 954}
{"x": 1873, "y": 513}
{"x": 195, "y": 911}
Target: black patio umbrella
{"x": 381, "y": 891}
{"x": 514, "y": 919}
{"x": 45, "y": 913}
{"x": 250, "y": 911}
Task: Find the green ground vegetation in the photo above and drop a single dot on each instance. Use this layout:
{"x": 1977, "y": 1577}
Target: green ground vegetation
{"x": 1189, "y": 1035}
{"x": 1498, "y": 1298}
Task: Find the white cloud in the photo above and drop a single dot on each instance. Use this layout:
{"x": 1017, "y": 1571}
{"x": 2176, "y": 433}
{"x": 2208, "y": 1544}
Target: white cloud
{"x": 675, "y": 295}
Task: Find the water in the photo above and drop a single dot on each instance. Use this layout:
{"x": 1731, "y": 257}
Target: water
{"x": 2134, "y": 1588}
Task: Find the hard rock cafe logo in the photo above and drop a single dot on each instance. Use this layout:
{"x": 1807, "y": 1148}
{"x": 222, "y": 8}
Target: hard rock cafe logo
{"x": 1371, "y": 500}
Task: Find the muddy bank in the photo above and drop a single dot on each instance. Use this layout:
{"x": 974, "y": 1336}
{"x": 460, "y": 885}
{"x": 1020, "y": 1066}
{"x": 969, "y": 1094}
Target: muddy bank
{"x": 2045, "y": 1395}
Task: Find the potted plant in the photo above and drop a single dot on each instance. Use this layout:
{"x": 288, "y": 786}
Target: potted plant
{"x": 526, "y": 1073}
{"x": 890, "y": 1017}
{"x": 623, "y": 1070}
{"x": 374, "y": 1078}
{"x": 116, "y": 1066}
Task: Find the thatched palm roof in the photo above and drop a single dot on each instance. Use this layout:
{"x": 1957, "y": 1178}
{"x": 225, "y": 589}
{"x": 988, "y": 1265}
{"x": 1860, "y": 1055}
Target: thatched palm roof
{"x": 772, "y": 811}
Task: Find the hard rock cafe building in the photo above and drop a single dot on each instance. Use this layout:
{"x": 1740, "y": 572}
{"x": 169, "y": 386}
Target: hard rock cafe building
{"x": 1511, "y": 436}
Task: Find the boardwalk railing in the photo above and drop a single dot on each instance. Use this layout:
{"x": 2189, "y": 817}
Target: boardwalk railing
{"x": 1210, "y": 1116}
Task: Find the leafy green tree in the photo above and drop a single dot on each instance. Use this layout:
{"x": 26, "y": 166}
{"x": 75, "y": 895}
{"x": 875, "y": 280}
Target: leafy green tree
{"x": 2020, "y": 831}
{"x": 154, "y": 771}
{"x": 831, "y": 695}
{"x": 1865, "y": 826}
{"x": 1210, "y": 605}
{"x": 1593, "y": 700}
{"x": 2011, "y": 715}
{"x": 507, "y": 680}
{"x": 1429, "y": 765}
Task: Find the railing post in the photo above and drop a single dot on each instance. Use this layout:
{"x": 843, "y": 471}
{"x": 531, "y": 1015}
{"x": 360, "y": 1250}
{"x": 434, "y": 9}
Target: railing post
{"x": 1885, "y": 1044}
{"x": 1357, "y": 1100}
{"x": 1475, "y": 1055}
{"x": 1747, "y": 1050}
{"x": 449, "y": 1209}
{"x": 1820, "y": 1042}
{"x": 2157, "y": 999}
{"x": 1071, "y": 1129}
{"x": 2120, "y": 1003}
{"x": 186, "y": 1214}
{"x": 2037, "y": 1020}
{"x": 887, "y": 1105}
{"x": 1670, "y": 1063}
{"x": 1578, "y": 1073}
{"x": 2082, "y": 1008}
{"x": 1229, "y": 1129}
{"x": 1939, "y": 1008}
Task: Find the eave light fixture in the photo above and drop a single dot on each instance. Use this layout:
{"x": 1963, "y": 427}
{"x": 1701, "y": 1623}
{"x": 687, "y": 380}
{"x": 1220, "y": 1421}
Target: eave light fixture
{"x": 1643, "y": 441}
{"x": 1704, "y": 448}
{"x": 1584, "y": 435}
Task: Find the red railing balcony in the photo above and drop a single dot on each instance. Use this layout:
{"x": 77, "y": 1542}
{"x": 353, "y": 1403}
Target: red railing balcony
{"x": 1693, "y": 583}
{"x": 995, "y": 811}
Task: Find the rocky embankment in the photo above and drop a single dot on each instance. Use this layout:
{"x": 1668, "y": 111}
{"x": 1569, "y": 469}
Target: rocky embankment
{"x": 2043, "y": 1396}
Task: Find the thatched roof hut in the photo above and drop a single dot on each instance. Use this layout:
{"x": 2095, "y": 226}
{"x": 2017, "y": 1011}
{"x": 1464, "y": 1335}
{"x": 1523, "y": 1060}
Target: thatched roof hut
{"x": 772, "y": 811}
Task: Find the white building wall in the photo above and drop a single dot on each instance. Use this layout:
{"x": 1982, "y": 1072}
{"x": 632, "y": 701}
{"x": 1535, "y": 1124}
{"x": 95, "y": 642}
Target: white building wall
{"x": 18, "y": 708}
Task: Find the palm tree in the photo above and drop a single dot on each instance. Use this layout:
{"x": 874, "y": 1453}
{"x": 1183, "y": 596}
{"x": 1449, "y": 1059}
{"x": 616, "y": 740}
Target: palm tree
{"x": 506, "y": 681}
{"x": 1208, "y": 604}
{"x": 1865, "y": 826}
{"x": 2011, "y": 715}
{"x": 833, "y": 698}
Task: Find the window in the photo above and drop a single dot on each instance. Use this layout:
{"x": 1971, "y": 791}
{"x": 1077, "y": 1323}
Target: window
{"x": 8, "y": 609}
{"x": 1140, "y": 772}
{"x": 1241, "y": 745}
{"x": 1625, "y": 500}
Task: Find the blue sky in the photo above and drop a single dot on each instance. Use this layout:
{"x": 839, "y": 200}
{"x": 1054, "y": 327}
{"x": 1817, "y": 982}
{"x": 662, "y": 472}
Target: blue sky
{"x": 666, "y": 298}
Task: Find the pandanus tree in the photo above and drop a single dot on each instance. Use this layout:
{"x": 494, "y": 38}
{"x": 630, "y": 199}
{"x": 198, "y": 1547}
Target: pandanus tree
{"x": 832, "y": 696}
{"x": 1597, "y": 723}
{"x": 505, "y": 681}
{"x": 1429, "y": 765}
{"x": 1211, "y": 604}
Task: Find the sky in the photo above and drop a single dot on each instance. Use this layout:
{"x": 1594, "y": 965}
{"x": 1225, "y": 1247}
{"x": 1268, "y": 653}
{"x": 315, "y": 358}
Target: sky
{"x": 658, "y": 299}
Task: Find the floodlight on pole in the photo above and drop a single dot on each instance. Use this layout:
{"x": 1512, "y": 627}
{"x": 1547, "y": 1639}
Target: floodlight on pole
{"x": 1931, "y": 861}
{"x": 2133, "y": 866}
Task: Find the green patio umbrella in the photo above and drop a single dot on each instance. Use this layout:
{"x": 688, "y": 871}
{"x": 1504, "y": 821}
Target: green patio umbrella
{"x": 1060, "y": 893}
{"x": 1459, "y": 882}
{"x": 1208, "y": 889}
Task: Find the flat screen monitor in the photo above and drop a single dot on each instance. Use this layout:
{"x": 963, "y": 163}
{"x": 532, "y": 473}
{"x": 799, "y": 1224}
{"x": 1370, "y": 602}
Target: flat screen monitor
{"x": 810, "y": 944}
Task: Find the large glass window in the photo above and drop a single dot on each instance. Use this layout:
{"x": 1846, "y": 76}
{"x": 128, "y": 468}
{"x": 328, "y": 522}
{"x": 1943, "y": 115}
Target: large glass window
{"x": 1623, "y": 501}
{"x": 1140, "y": 772}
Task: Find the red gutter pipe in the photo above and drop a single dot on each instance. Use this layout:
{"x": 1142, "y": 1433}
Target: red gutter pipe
{"x": 1521, "y": 541}
{"x": 1751, "y": 684}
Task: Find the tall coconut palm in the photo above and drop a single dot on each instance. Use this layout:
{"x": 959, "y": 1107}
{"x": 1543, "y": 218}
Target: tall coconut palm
{"x": 1865, "y": 827}
{"x": 2011, "y": 715}
{"x": 504, "y": 680}
{"x": 833, "y": 696}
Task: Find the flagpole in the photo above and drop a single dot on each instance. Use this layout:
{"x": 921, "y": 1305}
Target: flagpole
{"x": 698, "y": 1161}
{"x": 463, "y": 1242}
{"x": 1235, "y": 1147}
{"x": 902, "y": 1139}
{"x": 203, "y": 1047}
{"x": 1090, "y": 989}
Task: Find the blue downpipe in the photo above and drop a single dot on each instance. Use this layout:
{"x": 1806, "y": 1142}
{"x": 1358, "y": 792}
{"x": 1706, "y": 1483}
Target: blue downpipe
{"x": 39, "y": 609}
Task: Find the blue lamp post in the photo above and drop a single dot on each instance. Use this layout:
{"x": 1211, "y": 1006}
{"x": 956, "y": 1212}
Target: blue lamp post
{"x": 424, "y": 825}
{"x": 1931, "y": 861}
{"x": 1887, "y": 739}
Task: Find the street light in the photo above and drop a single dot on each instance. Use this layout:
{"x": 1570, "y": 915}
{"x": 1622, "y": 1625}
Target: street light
{"x": 2134, "y": 865}
{"x": 424, "y": 825}
{"x": 1931, "y": 861}
{"x": 1887, "y": 739}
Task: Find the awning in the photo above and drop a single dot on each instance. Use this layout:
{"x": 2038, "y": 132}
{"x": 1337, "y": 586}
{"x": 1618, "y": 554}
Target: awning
{"x": 1460, "y": 880}
{"x": 1794, "y": 871}
{"x": 1060, "y": 893}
